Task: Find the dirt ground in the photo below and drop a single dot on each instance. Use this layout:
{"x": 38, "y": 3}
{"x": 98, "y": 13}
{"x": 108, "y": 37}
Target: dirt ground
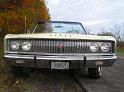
{"x": 39, "y": 81}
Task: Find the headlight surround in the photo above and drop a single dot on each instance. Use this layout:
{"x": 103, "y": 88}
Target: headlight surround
{"x": 105, "y": 47}
{"x": 15, "y": 46}
{"x": 94, "y": 47}
{"x": 26, "y": 46}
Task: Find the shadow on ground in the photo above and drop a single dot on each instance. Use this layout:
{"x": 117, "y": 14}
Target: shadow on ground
{"x": 40, "y": 81}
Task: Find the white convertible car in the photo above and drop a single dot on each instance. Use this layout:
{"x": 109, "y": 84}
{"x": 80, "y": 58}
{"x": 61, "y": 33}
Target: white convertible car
{"x": 59, "y": 45}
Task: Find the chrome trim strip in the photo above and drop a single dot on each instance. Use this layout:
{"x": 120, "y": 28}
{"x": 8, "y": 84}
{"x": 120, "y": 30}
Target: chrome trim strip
{"x": 19, "y": 56}
{"x": 36, "y": 53}
{"x": 101, "y": 58}
{"x": 69, "y": 57}
{"x": 60, "y": 57}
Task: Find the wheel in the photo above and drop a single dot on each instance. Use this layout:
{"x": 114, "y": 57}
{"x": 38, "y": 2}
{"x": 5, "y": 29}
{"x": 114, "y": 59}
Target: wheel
{"x": 95, "y": 73}
{"x": 18, "y": 72}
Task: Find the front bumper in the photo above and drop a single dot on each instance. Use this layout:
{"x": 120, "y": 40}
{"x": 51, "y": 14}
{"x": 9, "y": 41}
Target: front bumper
{"x": 76, "y": 61}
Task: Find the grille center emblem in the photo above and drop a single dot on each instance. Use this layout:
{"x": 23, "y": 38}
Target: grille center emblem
{"x": 60, "y": 48}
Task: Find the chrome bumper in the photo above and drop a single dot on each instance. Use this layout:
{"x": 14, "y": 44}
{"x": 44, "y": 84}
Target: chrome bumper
{"x": 76, "y": 61}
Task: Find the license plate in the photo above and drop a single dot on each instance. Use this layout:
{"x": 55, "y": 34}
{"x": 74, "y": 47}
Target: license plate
{"x": 59, "y": 65}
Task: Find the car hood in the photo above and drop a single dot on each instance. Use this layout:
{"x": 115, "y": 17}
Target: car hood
{"x": 59, "y": 36}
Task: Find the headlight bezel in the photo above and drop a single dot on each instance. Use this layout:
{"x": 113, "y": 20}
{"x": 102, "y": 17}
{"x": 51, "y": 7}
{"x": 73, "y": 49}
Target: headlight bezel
{"x": 103, "y": 47}
{"x": 100, "y": 48}
{"x": 13, "y": 44}
{"x": 26, "y": 46}
{"x": 92, "y": 49}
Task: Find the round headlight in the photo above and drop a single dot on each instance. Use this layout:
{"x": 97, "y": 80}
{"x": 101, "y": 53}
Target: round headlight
{"x": 15, "y": 46}
{"x": 26, "y": 46}
{"x": 105, "y": 47}
{"x": 94, "y": 47}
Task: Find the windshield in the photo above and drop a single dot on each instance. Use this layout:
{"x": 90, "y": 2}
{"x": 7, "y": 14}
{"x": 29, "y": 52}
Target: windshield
{"x": 59, "y": 27}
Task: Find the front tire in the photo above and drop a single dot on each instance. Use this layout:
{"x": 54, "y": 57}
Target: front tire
{"x": 95, "y": 73}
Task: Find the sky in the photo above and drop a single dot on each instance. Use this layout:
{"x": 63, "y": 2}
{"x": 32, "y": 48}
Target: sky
{"x": 94, "y": 14}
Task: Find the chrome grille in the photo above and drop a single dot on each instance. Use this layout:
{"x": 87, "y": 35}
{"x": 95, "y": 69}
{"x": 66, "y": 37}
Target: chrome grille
{"x": 50, "y": 46}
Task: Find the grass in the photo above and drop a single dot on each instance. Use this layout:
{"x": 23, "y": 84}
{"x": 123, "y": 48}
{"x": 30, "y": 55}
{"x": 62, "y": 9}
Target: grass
{"x": 120, "y": 51}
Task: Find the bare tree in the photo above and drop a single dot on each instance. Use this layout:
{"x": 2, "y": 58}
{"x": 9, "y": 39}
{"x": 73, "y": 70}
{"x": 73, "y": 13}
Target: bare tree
{"x": 106, "y": 34}
{"x": 116, "y": 30}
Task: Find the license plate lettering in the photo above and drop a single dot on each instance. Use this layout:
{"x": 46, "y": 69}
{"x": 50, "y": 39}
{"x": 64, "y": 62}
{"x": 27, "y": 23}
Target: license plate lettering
{"x": 59, "y": 65}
